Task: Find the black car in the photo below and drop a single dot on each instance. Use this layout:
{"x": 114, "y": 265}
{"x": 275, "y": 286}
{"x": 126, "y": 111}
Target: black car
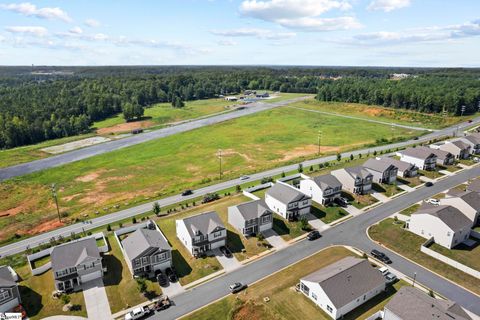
{"x": 342, "y": 202}
{"x": 237, "y": 287}
{"x": 312, "y": 235}
{"x": 226, "y": 252}
{"x": 162, "y": 279}
{"x": 187, "y": 192}
{"x": 171, "y": 275}
{"x": 380, "y": 256}
{"x": 428, "y": 184}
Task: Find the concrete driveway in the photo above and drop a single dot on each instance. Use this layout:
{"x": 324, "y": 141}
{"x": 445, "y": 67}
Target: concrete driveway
{"x": 228, "y": 264}
{"x": 274, "y": 239}
{"x": 315, "y": 222}
{"x": 173, "y": 289}
{"x": 96, "y": 301}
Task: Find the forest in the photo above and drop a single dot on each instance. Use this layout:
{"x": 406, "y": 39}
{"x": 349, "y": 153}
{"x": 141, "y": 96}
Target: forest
{"x": 42, "y": 103}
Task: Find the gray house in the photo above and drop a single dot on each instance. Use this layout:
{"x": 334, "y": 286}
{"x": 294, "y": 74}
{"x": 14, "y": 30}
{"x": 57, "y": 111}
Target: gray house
{"x": 287, "y": 201}
{"x": 9, "y": 294}
{"x": 382, "y": 171}
{"x": 405, "y": 169}
{"x": 410, "y": 303}
{"x": 251, "y": 217}
{"x": 459, "y": 149}
{"x": 444, "y": 158}
{"x": 75, "y": 263}
{"x": 421, "y": 157}
{"x": 146, "y": 251}
{"x": 474, "y": 141}
{"x": 322, "y": 189}
{"x": 355, "y": 179}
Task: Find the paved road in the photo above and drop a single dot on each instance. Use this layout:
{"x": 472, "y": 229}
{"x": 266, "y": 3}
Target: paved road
{"x": 76, "y": 155}
{"x": 352, "y": 232}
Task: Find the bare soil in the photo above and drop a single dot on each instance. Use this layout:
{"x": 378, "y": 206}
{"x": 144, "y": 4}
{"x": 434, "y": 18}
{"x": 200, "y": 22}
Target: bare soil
{"x": 126, "y": 127}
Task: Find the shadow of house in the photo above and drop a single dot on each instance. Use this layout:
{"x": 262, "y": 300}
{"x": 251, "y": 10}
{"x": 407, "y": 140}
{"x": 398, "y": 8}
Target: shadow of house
{"x": 280, "y": 227}
{"x": 378, "y": 188}
{"x": 234, "y": 242}
{"x": 31, "y": 300}
{"x": 317, "y": 212}
{"x": 181, "y": 265}
{"x": 113, "y": 276}
{"x": 348, "y": 196}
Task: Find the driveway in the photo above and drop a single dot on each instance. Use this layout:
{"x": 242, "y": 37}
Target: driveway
{"x": 274, "y": 239}
{"x": 173, "y": 289}
{"x": 316, "y": 223}
{"x": 353, "y": 211}
{"x": 405, "y": 187}
{"x": 380, "y": 197}
{"x": 228, "y": 264}
{"x": 96, "y": 301}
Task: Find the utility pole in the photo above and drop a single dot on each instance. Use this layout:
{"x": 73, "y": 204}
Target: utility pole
{"x": 414, "y": 278}
{"x": 219, "y": 155}
{"x": 319, "y": 140}
{"x": 54, "y": 194}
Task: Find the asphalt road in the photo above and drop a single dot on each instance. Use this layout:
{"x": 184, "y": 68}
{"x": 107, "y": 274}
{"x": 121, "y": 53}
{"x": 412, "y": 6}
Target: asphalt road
{"x": 352, "y": 232}
{"x": 87, "y": 152}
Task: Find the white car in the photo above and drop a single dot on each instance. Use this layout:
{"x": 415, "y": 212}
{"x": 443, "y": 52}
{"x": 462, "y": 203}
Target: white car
{"x": 390, "y": 277}
{"x": 138, "y": 313}
{"x": 383, "y": 270}
{"x": 244, "y": 177}
{"x": 432, "y": 201}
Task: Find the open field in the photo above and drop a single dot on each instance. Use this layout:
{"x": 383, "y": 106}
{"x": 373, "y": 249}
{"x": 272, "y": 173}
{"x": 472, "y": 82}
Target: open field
{"x": 408, "y": 244}
{"x": 400, "y": 116}
{"x": 169, "y": 165}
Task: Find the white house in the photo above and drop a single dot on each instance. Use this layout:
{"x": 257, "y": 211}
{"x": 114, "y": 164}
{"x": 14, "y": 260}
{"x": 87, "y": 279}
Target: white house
{"x": 343, "y": 286}
{"x": 9, "y": 293}
{"x": 474, "y": 141}
{"x": 468, "y": 202}
{"x": 445, "y": 224}
{"x": 382, "y": 171}
{"x": 322, "y": 189}
{"x": 202, "y": 232}
{"x": 422, "y": 158}
{"x": 287, "y": 201}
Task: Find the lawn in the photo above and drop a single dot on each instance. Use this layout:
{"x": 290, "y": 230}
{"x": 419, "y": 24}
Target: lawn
{"x": 412, "y": 182}
{"x": 169, "y": 165}
{"x": 467, "y": 162}
{"x": 388, "y": 190}
{"x": 432, "y": 174}
{"x": 122, "y": 290}
{"x": 408, "y": 211}
{"x": 408, "y": 244}
{"x": 40, "y": 262}
{"x": 461, "y": 253}
{"x": 288, "y": 230}
{"x": 359, "y": 201}
{"x": 328, "y": 214}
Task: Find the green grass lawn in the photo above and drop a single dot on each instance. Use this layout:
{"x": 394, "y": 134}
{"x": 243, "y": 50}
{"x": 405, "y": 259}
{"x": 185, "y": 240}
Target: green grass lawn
{"x": 461, "y": 253}
{"x": 100, "y": 242}
{"x": 288, "y": 230}
{"x": 412, "y": 182}
{"x": 408, "y": 244}
{"x": 359, "y": 201}
{"x": 40, "y": 262}
{"x": 172, "y": 164}
{"x": 388, "y": 190}
{"x": 328, "y": 214}
{"x": 286, "y": 96}
{"x": 468, "y": 162}
{"x": 477, "y": 229}
{"x": 432, "y": 174}
{"x": 408, "y": 211}
{"x": 260, "y": 193}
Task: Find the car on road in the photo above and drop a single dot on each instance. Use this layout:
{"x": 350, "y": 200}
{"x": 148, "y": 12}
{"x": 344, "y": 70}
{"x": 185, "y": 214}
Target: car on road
{"x": 137, "y": 131}
{"x": 312, "y": 235}
{"x": 226, "y": 252}
{"x": 237, "y": 287}
{"x": 244, "y": 177}
{"x": 162, "y": 279}
{"x": 138, "y": 313}
{"x": 341, "y": 201}
{"x": 470, "y": 121}
{"x": 416, "y": 138}
{"x": 429, "y": 184}
{"x": 162, "y": 303}
{"x": 187, "y": 192}
{"x": 432, "y": 201}
{"x": 172, "y": 276}
{"x": 390, "y": 277}
{"x": 380, "y": 256}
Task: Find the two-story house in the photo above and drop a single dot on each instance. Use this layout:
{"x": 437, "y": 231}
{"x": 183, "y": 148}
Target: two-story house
{"x": 202, "y": 232}
{"x": 287, "y": 201}
{"x": 322, "y": 189}
{"x": 405, "y": 169}
{"x": 75, "y": 263}
{"x": 146, "y": 250}
{"x": 474, "y": 141}
{"x": 458, "y": 148}
{"x": 422, "y": 158}
{"x": 251, "y": 217}
{"x": 444, "y": 158}
{"x": 9, "y": 294}
{"x": 355, "y": 179}
{"x": 468, "y": 202}
{"x": 382, "y": 171}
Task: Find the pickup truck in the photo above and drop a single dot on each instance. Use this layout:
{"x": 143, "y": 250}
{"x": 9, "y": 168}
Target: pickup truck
{"x": 138, "y": 313}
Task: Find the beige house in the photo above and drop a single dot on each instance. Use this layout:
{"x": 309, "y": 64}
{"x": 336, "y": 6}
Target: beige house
{"x": 382, "y": 171}
{"x": 458, "y": 148}
{"x": 474, "y": 141}
{"x": 354, "y": 179}
{"x": 468, "y": 202}
{"x": 405, "y": 169}
{"x": 444, "y": 158}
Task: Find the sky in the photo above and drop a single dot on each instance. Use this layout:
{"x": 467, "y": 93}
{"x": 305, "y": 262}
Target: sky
{"x": 430, "y": 33}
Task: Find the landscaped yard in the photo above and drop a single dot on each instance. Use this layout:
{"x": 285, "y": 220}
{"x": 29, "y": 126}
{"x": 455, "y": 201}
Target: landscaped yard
{"x": 432, "y": 174}
{"x": 412, "y": 182}
{"x": 328, "y": 214}
{"x": 388, "y": 190}
{"x": 288, "y": 230}
{"x": 359, "y": 201}
{"x": 468, "y": 162}
{"x": 169, "y": 165}
{"x": 408, "y": 211}
{"x": 408, "y": 244}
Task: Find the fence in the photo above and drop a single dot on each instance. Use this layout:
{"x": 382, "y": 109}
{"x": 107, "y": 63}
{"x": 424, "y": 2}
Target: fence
{"x": 376, "y": 315}
{"x": 447, "y": 260}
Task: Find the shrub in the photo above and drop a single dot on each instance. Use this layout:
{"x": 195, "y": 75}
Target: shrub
{"x": 266, "y": 180}
{"x": 304, "y": 223}
{"x": 134, "y": 220}
{"x": 109, "y": 228}
{"x": 283, "y": 174}
{"x": 300, "y": 167}
{"x": 141, "y": 285}
{"x": 238, "y": 188}
{"x": 156, "y": 208}
{"x": 65, "y": 298}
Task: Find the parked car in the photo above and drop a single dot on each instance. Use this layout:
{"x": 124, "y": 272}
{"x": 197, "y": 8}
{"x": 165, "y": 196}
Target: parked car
{"x": 162, "y": 303}
{"x": 380, "y": 256}
{"x": 342, "y": 202}
{"x": 162, "y": 279}
{"x": 312, "y": 235}
{"x": 390, "y": 277}
{"x": 428, "y": 184}
{"x": 476, "y": 159}
{"x": 187, "y": 192}
{"x": 226, "y": 252}
{"x": 172, "y": 276}
{"x": 470, "y": 121}
{"x": 432, "y": 201}
{"x": 244, "y": 177}
{"x": 383, "y": 270}
{"x": 138, "y": 313}
{"x": 137, "y": 131}
{"x": 237, "y": 287}
{"x": 416, "y": 138}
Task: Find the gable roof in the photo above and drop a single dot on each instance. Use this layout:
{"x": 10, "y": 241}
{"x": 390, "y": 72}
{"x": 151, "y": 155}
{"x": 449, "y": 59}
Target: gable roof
{"x": 422, "y": 306}
{"x": 205, "y": 223}
{"x": 253, "y": 209}
{"x": 143, "y": 239}
{"x": 327, "y": 181}
{"x": 451, "y": 216}
{"x": 73, "y": 253}
{"x": 460, "y": 144}
{"x": 401, "y": 165}
{"x": 473, "y": 138}
{"x": 441, "y": 154}
{"x": 346, "y": 280}
{"x": 285, "y": 193}
{"x": 472, "y": 198}
{"x": 6, "y": 277}
{"x": 358, "y": 171}
{"x": 378, "y": 165}
{"x": 418, "y": 152}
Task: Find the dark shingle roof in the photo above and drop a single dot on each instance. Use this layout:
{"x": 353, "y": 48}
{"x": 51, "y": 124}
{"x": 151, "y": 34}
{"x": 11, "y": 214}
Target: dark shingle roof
{"x": 377, "y": 165}
{"x": 252, "y": 209}
{"x": 285, "y": 193}
{"x": 460, "y": 144}
{"x": 143, "y": 239}
{"x": 205, "y": 223}
{"x": 6, "y": 278}
{"x": 412, "y": 304}
{"x": 401, "y": 165}
{"x": 327, "y": 181}
{"x": 347, "y": 279}
{"x": 358, "y": 171}
{"x": 418, "y": 152}
{"x": 473, "y": 138}
{"x": 451, "y": 216}
{"x": 73, "y": 253}
{"x": 442, "y": 155}
{"x": 472, "y": 198}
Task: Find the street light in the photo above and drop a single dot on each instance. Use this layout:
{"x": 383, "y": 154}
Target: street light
{"x": 414, "y": 278}
{"x": 54, "y": 194}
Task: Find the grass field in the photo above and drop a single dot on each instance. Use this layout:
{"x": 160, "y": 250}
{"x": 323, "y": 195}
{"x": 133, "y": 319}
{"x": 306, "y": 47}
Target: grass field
{"x": 388, "y": 190}
{"x": 408, "y": 244}
{"x": 169, "y": 165}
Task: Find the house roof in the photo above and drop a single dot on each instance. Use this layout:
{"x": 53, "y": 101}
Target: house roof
{"x": 451, "y": 216}
{"x": 143, "y": 239}
{"x": 410, "y": 303}
{"x": 473, "y": 138}
{"x": 472, "y": 198}
{"x": 474, "y": 185}
{"x": 6, "y": 277}
{"x": 441, "y": 154}
{"x": 205, "y": 223}
{"x": 252, "y": 209}
{"x": 358, "y": 171}
{"x": 73, "y": 253}
{"x": 460, "y": 144}
{"x": 418, "y": 152}
{"x": 378, "y": 165}
{"x": 285, "y": 193}
{"x": 401, "y": 165}
{"x": 327, "y": 181}
{"x": 346, "y": 280}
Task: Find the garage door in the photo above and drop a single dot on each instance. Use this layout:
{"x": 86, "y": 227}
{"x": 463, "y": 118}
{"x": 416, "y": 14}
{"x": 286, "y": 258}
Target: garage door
{"x": 91, "y": 276}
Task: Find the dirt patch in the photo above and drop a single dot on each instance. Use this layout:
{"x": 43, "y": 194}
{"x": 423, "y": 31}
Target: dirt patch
{"x": 90, "y": 177}
{"x": 126, "y": 127}
{"x": 306, "y": 151}
{"x": 250, "y": 311}
{"x": 231, "y": 152}
{"x": 70, "y": 198}
{"x": 98, "y": 195}
{"x": 44, "y": 227}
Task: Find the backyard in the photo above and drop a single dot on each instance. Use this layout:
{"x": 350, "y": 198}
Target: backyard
{"x": 469, "y": 256}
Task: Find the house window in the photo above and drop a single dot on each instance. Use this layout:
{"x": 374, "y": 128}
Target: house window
{"x": 217, "y": 234}
{"x": 304, "y": 288}
{"x": 314, "y": 296}
{"x": 449, "y": 234}
{"x": 329, "y": 309}
{"x": 266, "y": 219}
{"x": 72, "y": 270}
{"x": 136, "y": 262}
{"x": 4, "y": 295}
{"x": 144, "y": 260}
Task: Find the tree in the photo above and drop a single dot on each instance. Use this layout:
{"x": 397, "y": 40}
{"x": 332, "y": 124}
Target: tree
{"x": 283, "y": 174}
{"x": 134, "y": 220}
{"x": 156, "y": 208}
{"x": 177, "y": 102}
{"x": 351, "y": 156}
{"x": 300, "y": 167}
{"x": 128, "y": 112}
{"x": 375, "y": 152}
{"x": 238, "y": 188}
{"x": 141, "y": 285}
{"x": 109, "y": 228}
{"x": 339, "y": 157}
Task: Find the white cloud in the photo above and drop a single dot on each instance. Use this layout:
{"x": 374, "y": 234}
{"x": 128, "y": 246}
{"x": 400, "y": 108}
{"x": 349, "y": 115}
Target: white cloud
{"x": 30, "y": 30}
{"x": 76, "y": 30}
{"x": 92, "y": 23}
{"x": 388, "y": 5}
{"x": 254, "y": 32}
{"x": 321, "y": 24}
{"x": 31, "y": 10}
{"x": 227, "y": 43}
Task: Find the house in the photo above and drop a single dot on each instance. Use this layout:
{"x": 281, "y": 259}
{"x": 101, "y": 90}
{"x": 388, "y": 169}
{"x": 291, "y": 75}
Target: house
{"x": 468, "y": 202}
{"x": 231, "y": 98}
{"x": 354, "y": 179}
{"x": 382, "y": 171}
{"x": 287, "y": 201}
{"x": 458, "y": 148}
{"x": 322, "y": 189}
{"x": 75, "y": 263}
{"x": 422, "y": 158}
{"x": 202, "y": 232}
{"x": 405, "y": 169}
{"x": 444, "y": 158}
{"x": 447, "y": 225}
{"x": 9, "y": 294}
{"x": 474, "y": 141}
{"x": 410, "y": 303}
{"x": 343, "y": 286}
{"x": 251, "y": 217}
{"x": 146, "y": 250}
